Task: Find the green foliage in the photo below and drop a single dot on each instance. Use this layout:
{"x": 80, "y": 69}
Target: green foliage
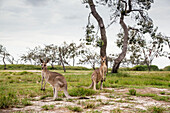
{"x": 144, "y": 68}
{"x": 25, "y": 102}
{"x": 20, "y": 67}
{"x": 132, "y": 92}
{"x": 167, "y": 68}
{"x": 156, "y": 109}
{"x": 35, "y": 67}
{"x": 17, "y": 88}
{"x": 75, "y": 108}
{"x": 48, "y": 107}
{"x": 162, "y": 98}
{"x": 8, "y": 100}
{"x": 124, "y": 69}
{"x": 162, "y": 92}
{"x": 81, "y": 92}
{"x": 90, "y": 105}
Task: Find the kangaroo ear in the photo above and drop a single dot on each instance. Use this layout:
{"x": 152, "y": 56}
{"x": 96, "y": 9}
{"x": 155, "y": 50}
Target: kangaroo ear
{"x": 47, "y": 60}
{"x": 104, "y": 57}
{"x": 101, "y": 57}
{"x": 41, "y": 61}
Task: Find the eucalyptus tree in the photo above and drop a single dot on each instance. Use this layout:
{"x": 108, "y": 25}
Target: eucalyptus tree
{"x": 63, "y": 55}
{"x": 90, "y": 37}
{"x": 4, "y": 55}
{"x": 73, "y": 51}
{"x": 119, "y": 9}
{"x": 144, "y": 51}
{"x": 34, "y": 55}
{"x": 89, "y": 57}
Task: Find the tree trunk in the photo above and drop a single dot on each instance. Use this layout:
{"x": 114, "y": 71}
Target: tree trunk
{"x": 94, "y": 66}
{"x": 4, "y": 62}
{"x": 102, "y": 27}
{"x": 62, "y": 60}
{"x": 52, "y": 65}
{"x": 124, "y": 50}
{"x": 73, "y": 61}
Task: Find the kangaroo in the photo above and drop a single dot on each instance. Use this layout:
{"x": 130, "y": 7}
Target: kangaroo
{"x": 55, "y": 79}
{"x": 99, "y": 74}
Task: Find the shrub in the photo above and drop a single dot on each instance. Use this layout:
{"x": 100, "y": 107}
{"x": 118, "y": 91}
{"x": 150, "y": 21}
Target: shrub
{"x": 9, "y": 100}
{"x": 145, "y": 68}
{"x": 167, "y": 68}
{"x": 81, "y": 92}
{"x": 156, "y": 109}
{"x": 48, "y": 107}
{"x": 75, "y": 109}
{"x": 132, "y": 92}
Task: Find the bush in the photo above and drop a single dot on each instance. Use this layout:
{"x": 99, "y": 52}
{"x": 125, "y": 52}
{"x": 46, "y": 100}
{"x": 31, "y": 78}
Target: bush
{"x": 9, "y": 100}
{"x": 81, "y": 92}
{"x": 48, "y": 107}
{"x": 75, "y": 108}
{"x": 167, "y": 68}
{"x": 132, "y": 92}
{"x": 156, "y": 109}
{"x": 145, "y": 68}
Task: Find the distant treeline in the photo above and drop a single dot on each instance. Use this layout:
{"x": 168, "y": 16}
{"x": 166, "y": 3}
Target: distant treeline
{"x": 38, "y": 67}
{"x": 145, "y": 68}
{"x": 58, "y": 67}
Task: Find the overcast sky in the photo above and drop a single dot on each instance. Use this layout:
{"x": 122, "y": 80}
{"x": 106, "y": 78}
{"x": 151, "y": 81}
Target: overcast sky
{"x": 29, "y": 23}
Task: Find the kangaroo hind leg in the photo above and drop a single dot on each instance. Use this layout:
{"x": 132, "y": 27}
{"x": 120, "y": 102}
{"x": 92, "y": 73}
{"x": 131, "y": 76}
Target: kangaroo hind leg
{"x": 66, "y": 92}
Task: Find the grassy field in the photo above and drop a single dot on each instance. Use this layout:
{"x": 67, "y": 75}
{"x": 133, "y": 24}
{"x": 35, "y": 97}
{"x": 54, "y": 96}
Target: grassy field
{"x": 17, "y": 89}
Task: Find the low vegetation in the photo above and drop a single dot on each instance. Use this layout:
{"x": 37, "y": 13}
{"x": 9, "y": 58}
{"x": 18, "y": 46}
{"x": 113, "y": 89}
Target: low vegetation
{"x": 18, "y": 88}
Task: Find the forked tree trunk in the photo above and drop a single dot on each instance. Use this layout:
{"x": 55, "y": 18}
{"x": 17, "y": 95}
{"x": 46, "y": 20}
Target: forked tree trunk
{"x": 122, "y": 55}
{"x": 102, "y": 27}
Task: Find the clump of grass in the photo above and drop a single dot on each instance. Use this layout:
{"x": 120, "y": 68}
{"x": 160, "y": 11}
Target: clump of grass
{"x": 132, "y": 92}
{"x": 22, "y": 73}
{"x": 90, "y": 105}
{"x": 162, "y": 92}
{"x": 48, "y": 107}
{"x": 162, "y": 98}
{"x": 75, "y": 108}
{"x": 156, "y": 109}
{"x": 26, "y": 102}
{"x": 81, "y": 92}
{"x": 107, "y": 91}
{"x": 9, "y": 100}
{"x": 58, "y": 99}
{"x": 146, "y": 95}
{"x": 70, "y": 100}
{"x": 117, "y": 110}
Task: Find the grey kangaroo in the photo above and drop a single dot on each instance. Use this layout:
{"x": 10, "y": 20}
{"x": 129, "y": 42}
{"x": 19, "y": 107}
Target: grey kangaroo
{"x": 55, "y": 79}
{"x": 99, "y": 74}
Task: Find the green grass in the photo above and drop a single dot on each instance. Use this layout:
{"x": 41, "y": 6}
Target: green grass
{"x": 48, "y": 107}
{"x": 132, "y": 92}
{"x": 156, "y": 109}
{"x": 15, "y": 86}
{"x": 75, "y": 108}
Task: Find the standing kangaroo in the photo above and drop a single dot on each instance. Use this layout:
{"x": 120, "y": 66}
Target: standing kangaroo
{"x": 99, "y": 74}
{"x": 55, "y": 79}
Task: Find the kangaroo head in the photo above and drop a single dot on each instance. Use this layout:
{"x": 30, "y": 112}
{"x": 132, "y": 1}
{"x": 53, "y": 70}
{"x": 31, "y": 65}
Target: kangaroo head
{"x": 103, "y": 59}
{"x": 44, "y": 64}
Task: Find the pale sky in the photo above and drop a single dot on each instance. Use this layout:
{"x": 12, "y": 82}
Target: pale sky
{"x": 29, "y": 23}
